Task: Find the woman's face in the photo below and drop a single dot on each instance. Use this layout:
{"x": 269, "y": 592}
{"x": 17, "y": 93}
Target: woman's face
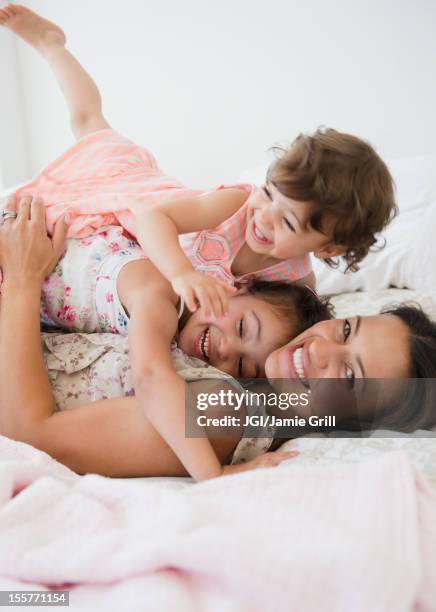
{"x": 239, "y": 342}
{"x": 348, "y": 350}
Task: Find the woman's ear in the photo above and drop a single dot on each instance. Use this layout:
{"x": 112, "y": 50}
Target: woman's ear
{"x": 329, "y": 250}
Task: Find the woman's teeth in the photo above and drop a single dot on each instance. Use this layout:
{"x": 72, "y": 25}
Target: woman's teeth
{"x": 297, "y": 359}
{"x": 204, "y": 343}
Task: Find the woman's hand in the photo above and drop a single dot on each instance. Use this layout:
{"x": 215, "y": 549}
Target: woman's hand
{"x": 27, "y": 253}
{"x": 261, "y": 461}
{"x": 210, "y": 293}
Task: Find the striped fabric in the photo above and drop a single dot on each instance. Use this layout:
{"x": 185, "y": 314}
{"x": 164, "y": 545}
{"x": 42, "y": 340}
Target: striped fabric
{"x": 104, "y": 177}
{"x": 213, "y": 251}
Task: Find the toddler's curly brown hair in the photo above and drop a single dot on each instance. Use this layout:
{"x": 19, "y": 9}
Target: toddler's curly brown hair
{"x": 346, "y": 181}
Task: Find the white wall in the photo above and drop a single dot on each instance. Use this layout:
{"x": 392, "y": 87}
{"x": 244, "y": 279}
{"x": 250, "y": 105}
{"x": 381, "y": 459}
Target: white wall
{"x": 209, "y": 85}
{"x": 14, "y": 154}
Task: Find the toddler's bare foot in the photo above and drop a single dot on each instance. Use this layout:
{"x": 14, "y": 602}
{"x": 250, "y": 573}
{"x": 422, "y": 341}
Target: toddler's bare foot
{"x": 35, "y": 30}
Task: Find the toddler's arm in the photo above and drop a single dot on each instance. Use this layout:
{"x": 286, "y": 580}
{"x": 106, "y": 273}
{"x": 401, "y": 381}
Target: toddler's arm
{"x": 159, "y": 389}
{"x": 158, "y": 228}
{"x": 80, "y": 91}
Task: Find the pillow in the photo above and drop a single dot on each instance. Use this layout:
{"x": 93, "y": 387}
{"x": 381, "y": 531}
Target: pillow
{"x": 372, "y": 302}
{"x": 409, "y": 258}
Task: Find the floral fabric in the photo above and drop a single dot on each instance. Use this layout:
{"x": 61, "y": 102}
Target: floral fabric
{"x": 84, "y": 368}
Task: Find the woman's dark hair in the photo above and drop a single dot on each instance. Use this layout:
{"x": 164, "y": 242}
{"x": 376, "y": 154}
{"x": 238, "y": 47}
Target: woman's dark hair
{"x": 296, "y": 304}
{"x": 416, "y": 409}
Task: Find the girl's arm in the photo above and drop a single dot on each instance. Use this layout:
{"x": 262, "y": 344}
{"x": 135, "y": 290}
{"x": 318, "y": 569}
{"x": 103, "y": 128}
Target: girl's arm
{"x": 158, "y": 229}
{"x": 80, "y": 91}
{"x": 159, "y": 389}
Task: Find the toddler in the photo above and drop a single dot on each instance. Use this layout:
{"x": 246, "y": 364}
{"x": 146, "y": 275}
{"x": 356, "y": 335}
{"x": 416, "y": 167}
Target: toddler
{"x": 328, "y": 195}
{"x": 232, "y": 233}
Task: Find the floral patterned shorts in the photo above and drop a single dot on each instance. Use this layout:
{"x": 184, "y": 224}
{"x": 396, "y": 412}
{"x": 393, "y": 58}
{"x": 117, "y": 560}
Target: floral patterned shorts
{"x": 81, "y": 293}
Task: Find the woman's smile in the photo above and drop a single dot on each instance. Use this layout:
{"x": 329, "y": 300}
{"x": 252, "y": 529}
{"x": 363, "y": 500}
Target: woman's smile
{"x": 295, "y": 363}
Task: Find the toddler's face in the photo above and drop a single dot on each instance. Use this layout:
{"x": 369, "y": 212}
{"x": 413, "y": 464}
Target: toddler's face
{"x": 278, "y": 226}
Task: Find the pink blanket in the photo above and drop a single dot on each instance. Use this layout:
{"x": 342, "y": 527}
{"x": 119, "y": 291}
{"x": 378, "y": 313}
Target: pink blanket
{"x": 358, "y": 537}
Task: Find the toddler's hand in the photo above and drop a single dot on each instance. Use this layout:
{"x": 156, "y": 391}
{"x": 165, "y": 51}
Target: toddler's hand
{"x": 261, "y": 461}
{"x": 210, "y": 293}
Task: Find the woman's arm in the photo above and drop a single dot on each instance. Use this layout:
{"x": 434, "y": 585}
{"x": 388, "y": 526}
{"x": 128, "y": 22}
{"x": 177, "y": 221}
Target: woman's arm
{"x": 80, "y": 91}
{"x": 27, "y": 254}
{"x": 113, "y": 438}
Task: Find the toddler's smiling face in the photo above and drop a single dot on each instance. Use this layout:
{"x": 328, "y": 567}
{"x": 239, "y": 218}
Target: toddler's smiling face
{"x": 278, "y": 226}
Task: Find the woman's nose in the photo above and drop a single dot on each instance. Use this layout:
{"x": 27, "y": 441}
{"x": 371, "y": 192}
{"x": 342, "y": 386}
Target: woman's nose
{"x": 323, "y": 355}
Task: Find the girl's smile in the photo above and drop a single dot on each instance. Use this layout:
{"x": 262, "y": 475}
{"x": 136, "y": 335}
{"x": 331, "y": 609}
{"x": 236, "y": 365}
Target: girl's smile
{"x": 240, "y": 341}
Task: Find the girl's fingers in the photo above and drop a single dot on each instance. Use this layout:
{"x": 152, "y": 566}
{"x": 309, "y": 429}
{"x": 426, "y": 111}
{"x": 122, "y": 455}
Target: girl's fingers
{"x": 219, "y": 303}
{"x": 283, "y": 455}
{"x": 224, "y": 300}
{"x": 189, "y": 298}
{"x": 203, "y": 300}
{"x": 229, "y": 288}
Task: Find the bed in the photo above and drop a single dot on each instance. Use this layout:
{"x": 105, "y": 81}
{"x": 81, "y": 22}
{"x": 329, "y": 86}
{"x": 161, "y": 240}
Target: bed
{"x": 347, "y": 525}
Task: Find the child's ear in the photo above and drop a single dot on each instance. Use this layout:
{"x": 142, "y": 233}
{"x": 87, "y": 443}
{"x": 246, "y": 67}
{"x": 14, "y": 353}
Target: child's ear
{"x": 242, "y": 287}
{"x": 329, "y": 250}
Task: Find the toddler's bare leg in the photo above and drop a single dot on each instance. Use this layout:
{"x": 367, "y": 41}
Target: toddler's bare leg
{"x": 80, "y": 91}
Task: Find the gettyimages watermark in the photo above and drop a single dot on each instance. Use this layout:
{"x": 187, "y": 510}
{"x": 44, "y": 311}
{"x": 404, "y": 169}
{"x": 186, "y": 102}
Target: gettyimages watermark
{"x": 285, "y": 408}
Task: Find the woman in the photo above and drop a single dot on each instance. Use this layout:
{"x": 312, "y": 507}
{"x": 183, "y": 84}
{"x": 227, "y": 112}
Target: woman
{"x": 108, "y": 436}
{"x": 370, "y": 372}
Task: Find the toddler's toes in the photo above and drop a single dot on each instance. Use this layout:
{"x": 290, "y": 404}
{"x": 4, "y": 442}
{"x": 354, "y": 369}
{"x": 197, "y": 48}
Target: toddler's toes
{"x": 10, "y": 10}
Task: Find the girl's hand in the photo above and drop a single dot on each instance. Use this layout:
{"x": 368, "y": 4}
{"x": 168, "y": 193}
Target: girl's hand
{"x": 261, "y": 461}
{"x": 27, "y": 253}
{"x": 209, "y": 292}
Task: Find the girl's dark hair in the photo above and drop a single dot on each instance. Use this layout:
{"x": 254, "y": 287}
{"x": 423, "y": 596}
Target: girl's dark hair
{"x": 296, "y": 304}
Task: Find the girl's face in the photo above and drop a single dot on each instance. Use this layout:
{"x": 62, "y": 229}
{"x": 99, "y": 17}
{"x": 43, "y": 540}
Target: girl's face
{"x": 239, "y": 342}
{"x": 348, "y": 350}
{"x": 278, "y": 226}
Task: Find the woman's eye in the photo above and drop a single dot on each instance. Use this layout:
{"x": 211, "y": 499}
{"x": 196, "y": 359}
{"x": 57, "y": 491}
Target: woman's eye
{"x": 347, "y": 329}
{"x": 267, "y": 191}
{"x": 349, "y": 375}
{"x": 241, "y": 328}
{"x": 288, "y": 224}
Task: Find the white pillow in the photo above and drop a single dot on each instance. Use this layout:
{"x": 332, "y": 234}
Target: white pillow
{"x": 409, "y": 257}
